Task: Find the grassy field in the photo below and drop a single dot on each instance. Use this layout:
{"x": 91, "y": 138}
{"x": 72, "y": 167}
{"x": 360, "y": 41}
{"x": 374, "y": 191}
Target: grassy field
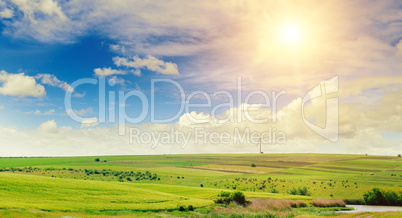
{"x": 139, "y": 185}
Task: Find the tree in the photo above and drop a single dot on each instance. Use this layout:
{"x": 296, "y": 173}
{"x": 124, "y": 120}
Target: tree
{"x": 97, "y": 159}
{"x": 253, "y": 165}
{"x": 382, "y": 197}
{"x": 399, "y": 155}
{"x": 238, "y": 197}
{"x": 227, "y": 197}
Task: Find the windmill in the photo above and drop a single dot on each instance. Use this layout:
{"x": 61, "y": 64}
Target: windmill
{"x": 259, "y": 143}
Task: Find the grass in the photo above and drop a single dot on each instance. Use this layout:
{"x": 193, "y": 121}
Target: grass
{"x": 64, "y": 185}
{"x": 55, "y": 194}
{"x": 275, "y": 204}
{"x": 327, "y": 203}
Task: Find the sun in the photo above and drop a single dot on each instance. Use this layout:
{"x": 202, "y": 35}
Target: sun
{"x": 284, "y": 38}
{"x": 291, "y": 34}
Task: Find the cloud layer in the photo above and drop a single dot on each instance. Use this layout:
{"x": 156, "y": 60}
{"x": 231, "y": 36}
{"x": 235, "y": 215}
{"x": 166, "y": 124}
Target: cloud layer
{"x": 20, "y": 85}
{"x": 151, "y": 63}
{"x": 357, "y": 134}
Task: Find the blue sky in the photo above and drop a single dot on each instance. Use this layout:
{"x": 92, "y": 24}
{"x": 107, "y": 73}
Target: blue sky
{"x": 270, "y": 46}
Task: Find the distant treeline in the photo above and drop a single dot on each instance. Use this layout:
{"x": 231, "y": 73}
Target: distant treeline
{"x": 383, "y": 197}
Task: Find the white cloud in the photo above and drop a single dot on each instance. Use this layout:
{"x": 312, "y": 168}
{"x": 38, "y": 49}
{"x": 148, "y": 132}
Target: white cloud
{"x": 20, "y": 85}
{"x": 399, "y": 46}
{"x": 83, "y": 112}
{"x": 108, "y": 72}
{"x": 117, "y": 80}
{"x": 150, "y": 63}
{"x": 38, "y": 112}
{"x": 89, "y": 122}
{"x": 48, "y": 126}
{"x": 52, "y": 81}
{"x": 6, "y": 13}
{"x": 79, "y": 95}
{"x": 118, "y": 48}
{"x": 43, "y": 20}
{"x": 136, "y": 72}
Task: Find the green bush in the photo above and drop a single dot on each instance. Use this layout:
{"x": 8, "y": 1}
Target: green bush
{"x": 238, "y": 197}
{"x": 182, "y": 208}
{"x": 382, "y": 197}
{"x": 227, "y": 197}
{"x": 274, "y": 190}
{"x": 222, "y": 200}
{"x": 190, "y": 208}
{"x": 97, "y": 160}
{"x": 299, "y": 191}
{"x": 253, "y": 165}
{"x": 224, "y": 194}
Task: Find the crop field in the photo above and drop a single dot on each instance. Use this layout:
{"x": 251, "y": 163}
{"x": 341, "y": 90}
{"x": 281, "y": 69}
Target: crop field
{"x": 147, "y": 185}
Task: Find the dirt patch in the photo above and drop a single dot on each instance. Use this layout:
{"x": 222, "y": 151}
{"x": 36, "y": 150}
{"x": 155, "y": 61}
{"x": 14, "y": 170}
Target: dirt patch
{"x": 229, "y": 170}
{"x": 328, "y": 171}
{"x": 348, "y": 169}
{"x": 394, "y": 170}
{"x": 273, "y": 164}
{"x": 283, "y": 173}
{"x": 380, "y": 157}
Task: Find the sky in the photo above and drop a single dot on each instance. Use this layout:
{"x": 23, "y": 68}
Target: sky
{"x": 113, "y": 77}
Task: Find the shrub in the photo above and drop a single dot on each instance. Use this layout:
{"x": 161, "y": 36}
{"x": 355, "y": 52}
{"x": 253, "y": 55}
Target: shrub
{"x": 97, "y": 159}
{"x": 222, "y": 200}
{"x": 399, "y": 155}
{"x": 238, "y": 197}
{"x": 201, "y": 185}
{"x": 274, "y": 190}
{"x": 190, "y": 208}
{"x": 327, "y": 203}
{"x": 182, "y": 208}
{"x": 227, "y": 197}
{"x": 224, "y": 194}
{"x": 382, "y": 197}
{"x": 253, "y": 165}
{"x": 299, "y": 191}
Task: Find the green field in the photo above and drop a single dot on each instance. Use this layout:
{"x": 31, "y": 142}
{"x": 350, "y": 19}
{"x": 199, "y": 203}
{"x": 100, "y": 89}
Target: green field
{"x": 143, "y": 184}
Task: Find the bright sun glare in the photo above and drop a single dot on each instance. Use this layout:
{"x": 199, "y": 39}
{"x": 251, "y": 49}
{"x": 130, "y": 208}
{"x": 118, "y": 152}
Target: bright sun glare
{"x": 291, "y": 34}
